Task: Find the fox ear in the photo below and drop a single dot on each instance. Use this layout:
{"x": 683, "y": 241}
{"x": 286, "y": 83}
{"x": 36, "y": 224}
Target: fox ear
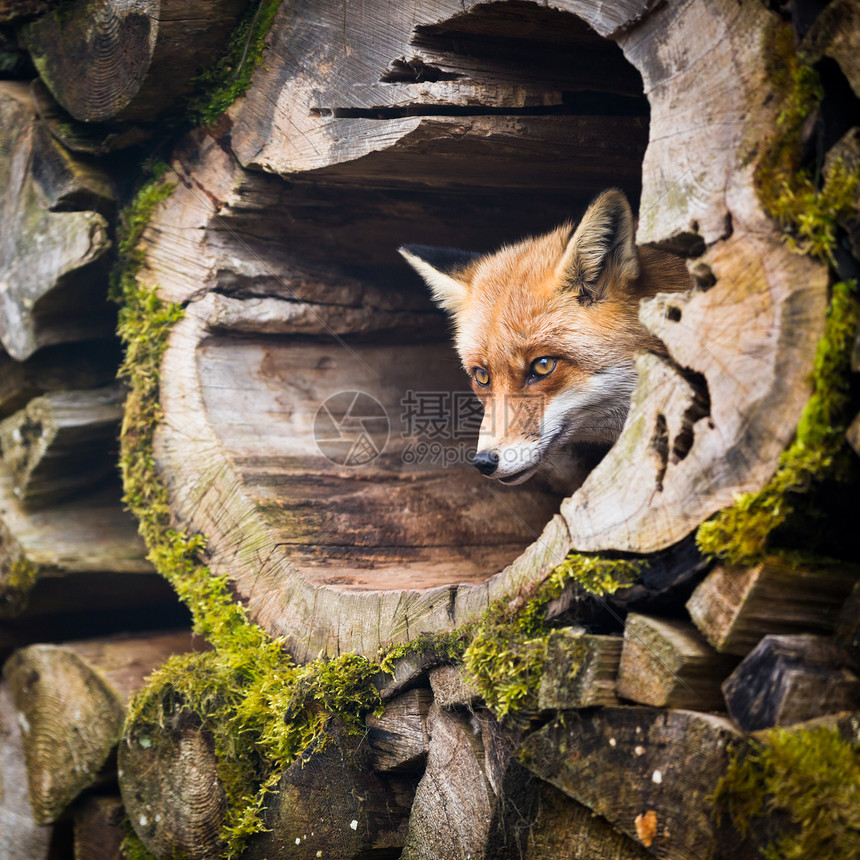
{"x": 602, "y": 249}
{"x": 444, "y": 270}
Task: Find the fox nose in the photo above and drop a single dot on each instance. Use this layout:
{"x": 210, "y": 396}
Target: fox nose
{"x": 486, "y": 462}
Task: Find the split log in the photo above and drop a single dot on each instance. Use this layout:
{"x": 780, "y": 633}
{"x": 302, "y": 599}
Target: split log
{"x": 21, "y": 837}
{"x": 72, "y": 700}
{"x": 669, "y": 664}
{"x": 848, "y": 627}
{"x": 170, "y": 787}
{"x": 650, "y": 773}
{"x": 98, "y": 829}
{"x": 59, "y": 368}
{"x": 53, "y": 236}
{"x": 105, "y": 59}
{"x": 580, "y": 670}
{"x": 398, "y": 738}
{"x": 329, "y": 804}
{"x": 788, "y": 679}
{"x": 371, "y": 118}
{"x": 62, "y": 443}
{"x": 451, "y": 688}
{"x": 538, "y": 822}
{"x": 735, "y": 607}
{"x": 454, "y": 801}
{"x": 57, "y": 559}
{"x": 836, "y": 34}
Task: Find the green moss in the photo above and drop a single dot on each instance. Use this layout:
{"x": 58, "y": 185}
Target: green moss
{"x": 218, "y": 87}
{"x": 132, "y": 848}
{"x": 17, "y": 584}
{"x": 508, "y": 645}
{"x": 811, "y": 776}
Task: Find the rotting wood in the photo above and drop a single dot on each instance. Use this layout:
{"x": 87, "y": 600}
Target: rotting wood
{"x": 329, "y": 804}
{"x": 72, "y": 699}
{"x": 106, "y": 59}
{"x": 649, "y": 772}
{"x": 60, "y": 368}
{"x": 53, "y": 235}
{"x": 580, "y": 670}
{"x": 735, "y": 607}
{"x": 98, "y": 828}
{"x": 21, "y": 837}
{"x": 667, "y": 663}
{"x": 788, "y": 679}
{"x": 398, "y": 739}
{"x": 46, "y": 551}
{"x": 836, "y": 34}
{"x": 62, "y": 443}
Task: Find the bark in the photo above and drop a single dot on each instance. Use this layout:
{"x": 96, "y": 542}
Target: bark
{"x": 98, "y": 828}
{"x": 650, "y": 773}
{"x": 21, "y": 837}
{"x": 669, "y": 664}
{"x": 105, "y": 59}
{"x": 71, "y": 701}
{"x": 62, "y": 443}
{"x": 580, "y": 670}
{"x": 788, "y": 679}
{"x": 54, "y": 235}
{"x": 735, "y": 607}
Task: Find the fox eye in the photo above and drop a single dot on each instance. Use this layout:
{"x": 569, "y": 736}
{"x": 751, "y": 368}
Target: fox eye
{"x": 481, "y": 376}
{"x": 542, "y": 366}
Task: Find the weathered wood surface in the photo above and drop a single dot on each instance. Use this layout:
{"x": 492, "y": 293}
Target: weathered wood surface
{"x": 60, "y": 368}
{"x": 398, "y": 738}
{"x": 836, "y": 34}
{"x": 669, "y": 664}
{"x": 21, "y": 837}
{"x": 329, "y": 804}
{"x": 650, "y": 773}
{"x": 536, "y": 821}
{"x": 580, "y": 670}
{"x": 455, "y": 799}
{"x": 170, "y": 787}
{"x": 451, "y": 688}
{"x": 62, "y": 443}
{"x": 72, "y": 700}
{"x": 735, "y": 607}
{"x": 98, "y": 828}
{"x": 40, "y": 551}
{"x": 352, "y": 122}
{"x": 53, "y": 235}
{"x": 105, "y": 59}
{"x": 788, "y": 679}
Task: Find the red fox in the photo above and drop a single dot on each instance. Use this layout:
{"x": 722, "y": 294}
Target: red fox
{"x": 547, "y": 329}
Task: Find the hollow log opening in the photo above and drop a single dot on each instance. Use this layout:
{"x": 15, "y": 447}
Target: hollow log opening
{"x": 356, "y": 428}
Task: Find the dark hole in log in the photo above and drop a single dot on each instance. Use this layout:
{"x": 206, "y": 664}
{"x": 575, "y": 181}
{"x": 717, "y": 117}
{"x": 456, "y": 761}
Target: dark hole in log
{"x": 660, "y": 444}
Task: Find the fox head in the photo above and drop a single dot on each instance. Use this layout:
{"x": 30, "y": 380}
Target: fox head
{"x": 547, "y": 329}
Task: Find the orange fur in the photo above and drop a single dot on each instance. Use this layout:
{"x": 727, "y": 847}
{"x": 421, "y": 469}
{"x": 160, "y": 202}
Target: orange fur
{"x": 571, "y": 295}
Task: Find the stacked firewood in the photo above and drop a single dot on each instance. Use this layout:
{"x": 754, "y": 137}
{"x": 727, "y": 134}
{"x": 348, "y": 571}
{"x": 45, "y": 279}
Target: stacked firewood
{"x": 444, "y": 123}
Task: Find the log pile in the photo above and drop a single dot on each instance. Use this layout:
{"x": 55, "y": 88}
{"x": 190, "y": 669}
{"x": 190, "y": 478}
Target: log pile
{"x": 313, "y": 427}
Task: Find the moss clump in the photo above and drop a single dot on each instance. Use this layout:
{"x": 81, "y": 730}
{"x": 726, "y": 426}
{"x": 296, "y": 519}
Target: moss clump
{"x": 507, "y": 650}
{"x": 218, "y": 87}
{"x": 811, "y": 776}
